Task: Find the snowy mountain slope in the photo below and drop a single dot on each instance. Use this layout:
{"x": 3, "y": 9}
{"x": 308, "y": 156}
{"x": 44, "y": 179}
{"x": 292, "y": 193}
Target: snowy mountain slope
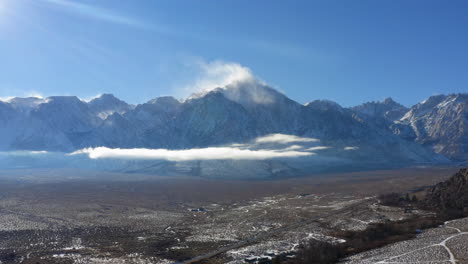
{"x": 388, "y": 109}
{"x": 274, "y": 112}
{"x": 212, "y": 120}
{"x": 27, "y": 104}
{"x": 147, "y": 125}
{"x": 376, "y": 133}
{"x": 442, "y": 123}
{"x": 106, "y": 105}
{"x": 385, "y": 115}
{"x": 341, "y": 128}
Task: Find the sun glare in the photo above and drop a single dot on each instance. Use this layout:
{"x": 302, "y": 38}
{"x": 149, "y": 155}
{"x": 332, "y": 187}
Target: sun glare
{"x": 6, "y": 13}
{"x": 3, "y": 8}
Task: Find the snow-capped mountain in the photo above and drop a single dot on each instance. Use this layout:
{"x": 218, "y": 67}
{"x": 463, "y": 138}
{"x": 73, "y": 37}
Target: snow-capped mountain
{"x": 441, "y": 122}
{"x": 107, "y": 104}
{"x": 374, "y": 134}
{"x": 385, "y": 115}
{"x": 388, "y": 109}
{"x": 26, "y": 104}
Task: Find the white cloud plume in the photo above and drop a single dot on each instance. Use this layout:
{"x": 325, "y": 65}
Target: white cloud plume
{"x": 213, "y": 153}
{"x": 218, "y": 74}
{"x": 284, "y": 139}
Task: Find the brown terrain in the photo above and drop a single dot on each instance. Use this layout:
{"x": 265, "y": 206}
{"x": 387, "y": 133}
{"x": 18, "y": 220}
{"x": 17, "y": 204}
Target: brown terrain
{"x": 65, "y": 216}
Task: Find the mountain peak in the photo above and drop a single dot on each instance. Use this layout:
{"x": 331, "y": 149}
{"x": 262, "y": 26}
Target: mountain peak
{"x": 167, "y": 100}
{"x": 324, "y": 105}
{"x": 26, "y": 104}
{"x": 64, "y": 99}
{"x": 107, "y": 104}
{"x": 104, "y": 96}
{"x": 389, "y": 101}
{"x": 249, "y": 93}
{"x": 433, "y": 100}
{"x": 387, "y": 109}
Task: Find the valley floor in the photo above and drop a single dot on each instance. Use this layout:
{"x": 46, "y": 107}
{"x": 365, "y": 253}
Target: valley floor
{"x": 85, "y": 217}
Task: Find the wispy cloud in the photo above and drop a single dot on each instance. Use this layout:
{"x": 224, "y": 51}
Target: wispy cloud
{"x": 233, "y": 78}
{"x": 284, "y": 139}
{"x": 351, "y": 148}
{"x": 90, "y": 98}
{"x": 6, "y": 98}
{"x": 22, "y": 153}
{"x": 216, "y": 74}
{"x": 33, "y": 94}
{"x": 213, "y": 153}
{"x": 294, "y": 147}
{"x": 12, "y": 93}
{"x": 97, "y": 13}
{"x": 318, "y": 148}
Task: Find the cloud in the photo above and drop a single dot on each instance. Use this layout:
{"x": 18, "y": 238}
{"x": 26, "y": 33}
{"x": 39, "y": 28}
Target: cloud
{"x": 284, "y": 139}
{"x": 351, "y": 148}
{"x": 318, "y": 148}
{"x": 22, "y": 95}
{"x": 23, "y": 153}
{"x": 294, "y": 147}
{"x": 6, "y": 99}
{"x": 237, "y": 145}
{"x": 97, "y": 13}
{"x": 213, "y": 153}
{"x": 90, "y": 98}
{"x": 237, "y": 82}
{"x": 217, "y": 74}
{"x": 34, "y": 94}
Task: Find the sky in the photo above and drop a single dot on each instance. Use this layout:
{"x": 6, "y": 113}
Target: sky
{"x": 346, "y": 51}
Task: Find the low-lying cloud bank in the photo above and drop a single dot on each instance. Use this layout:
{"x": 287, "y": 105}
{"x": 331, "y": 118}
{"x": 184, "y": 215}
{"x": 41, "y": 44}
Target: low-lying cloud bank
{"x": 213, "y": 153}
{"x": 262, "y": 148}
{"x": 284, "y": 139}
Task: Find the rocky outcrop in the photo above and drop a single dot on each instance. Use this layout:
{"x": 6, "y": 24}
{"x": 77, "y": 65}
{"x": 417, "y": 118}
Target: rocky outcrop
{"x": 450, "y": 194}
{"x": 388, "y": 110}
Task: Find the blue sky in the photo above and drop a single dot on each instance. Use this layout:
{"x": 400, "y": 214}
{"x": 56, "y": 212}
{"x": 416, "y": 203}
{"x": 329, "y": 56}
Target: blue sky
{"x": 346, "y": 51}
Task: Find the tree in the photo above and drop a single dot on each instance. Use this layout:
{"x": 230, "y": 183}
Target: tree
{"x": 407, "y": 198}
{"x": 276, "y": 260}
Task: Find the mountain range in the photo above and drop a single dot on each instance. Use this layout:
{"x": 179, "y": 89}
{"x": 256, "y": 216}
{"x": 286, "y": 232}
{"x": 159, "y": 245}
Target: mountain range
{"x": 372, "y": 134}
